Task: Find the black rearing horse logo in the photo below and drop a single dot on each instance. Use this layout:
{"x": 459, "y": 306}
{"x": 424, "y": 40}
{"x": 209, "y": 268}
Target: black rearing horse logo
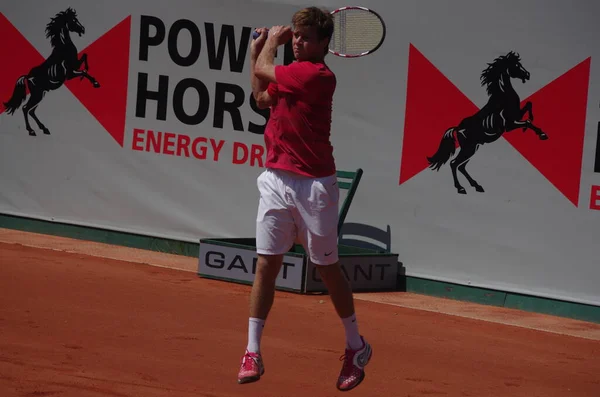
{"x": 62, "y": 64}
{"x": 502, "y": 113}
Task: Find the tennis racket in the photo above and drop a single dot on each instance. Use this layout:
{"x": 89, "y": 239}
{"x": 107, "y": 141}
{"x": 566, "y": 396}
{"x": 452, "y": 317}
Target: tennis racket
{"x": 357, "y": 31}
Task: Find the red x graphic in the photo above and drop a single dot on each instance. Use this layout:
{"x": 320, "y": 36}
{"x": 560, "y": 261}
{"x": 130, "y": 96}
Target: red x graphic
{"x": 108, "y": 59}
{"x": 434, "y": 104}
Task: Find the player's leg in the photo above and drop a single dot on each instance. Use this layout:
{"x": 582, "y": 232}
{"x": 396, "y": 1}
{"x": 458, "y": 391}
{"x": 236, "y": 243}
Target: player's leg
{"x": 275, "y": 232}
{"x": 261, "y": 301}
{"x": 318, "y": 231}
{"x": 262, "y": 297}
{"x": 358, "y": 351}
{"x": 340, "y": 293}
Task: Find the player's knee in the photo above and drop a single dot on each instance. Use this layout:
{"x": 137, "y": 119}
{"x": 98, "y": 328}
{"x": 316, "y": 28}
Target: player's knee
{"x": 268, "y": 266}
{"x": 331, "y": 272}
{"x": 334, "y": 278}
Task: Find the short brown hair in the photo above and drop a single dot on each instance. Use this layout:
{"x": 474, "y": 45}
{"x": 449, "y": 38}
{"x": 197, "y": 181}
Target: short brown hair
{"x": 315, "y": 17}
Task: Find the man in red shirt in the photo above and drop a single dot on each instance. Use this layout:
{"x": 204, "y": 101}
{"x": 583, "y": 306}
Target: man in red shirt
{"x": 298, "y": 190}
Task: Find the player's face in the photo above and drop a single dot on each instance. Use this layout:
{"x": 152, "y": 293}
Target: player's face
{"x": 306, "y": 44}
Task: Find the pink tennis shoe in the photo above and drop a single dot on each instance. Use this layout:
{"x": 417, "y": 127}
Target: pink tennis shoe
{"x": 351, "y": 375}
{"x": 251, "y": 369}
{"x": 353, "y": 369}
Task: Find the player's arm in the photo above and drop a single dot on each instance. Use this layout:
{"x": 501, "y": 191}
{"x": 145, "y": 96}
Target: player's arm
{"x": 260, "y": 89}
{"x": 259, "y": 86}
{"x": 265, "y": 64}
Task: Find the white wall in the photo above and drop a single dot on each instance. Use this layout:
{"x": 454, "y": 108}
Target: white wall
{"x": 522, "y": 234}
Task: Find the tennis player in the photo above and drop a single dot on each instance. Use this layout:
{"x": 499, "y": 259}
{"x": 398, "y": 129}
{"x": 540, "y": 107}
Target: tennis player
{"x": 298, "y": 190}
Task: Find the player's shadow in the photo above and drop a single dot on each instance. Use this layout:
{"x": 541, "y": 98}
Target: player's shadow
{"x": 370, "y": 237}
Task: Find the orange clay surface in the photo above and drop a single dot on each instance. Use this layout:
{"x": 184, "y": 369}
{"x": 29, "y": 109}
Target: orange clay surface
{"x": 73, "y": 324}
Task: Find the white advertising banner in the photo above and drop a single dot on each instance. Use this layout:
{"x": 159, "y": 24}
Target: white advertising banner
{"x": 233, "y": 263}
{"x": 476, "y": 124}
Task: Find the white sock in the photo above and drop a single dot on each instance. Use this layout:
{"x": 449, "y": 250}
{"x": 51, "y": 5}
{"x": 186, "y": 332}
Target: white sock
{"x": 353, "y": 340}
{"x": 255, "y": 329}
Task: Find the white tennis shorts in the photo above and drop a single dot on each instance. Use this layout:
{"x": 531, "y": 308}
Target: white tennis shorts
{"x": 294, "y": 208}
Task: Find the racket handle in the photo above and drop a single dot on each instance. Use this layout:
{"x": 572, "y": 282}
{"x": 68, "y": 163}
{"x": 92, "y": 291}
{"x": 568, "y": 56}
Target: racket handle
{"x": 255, "y": 34}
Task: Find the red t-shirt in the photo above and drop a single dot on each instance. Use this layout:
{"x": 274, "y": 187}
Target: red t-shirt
{"x": 297, "y": 134}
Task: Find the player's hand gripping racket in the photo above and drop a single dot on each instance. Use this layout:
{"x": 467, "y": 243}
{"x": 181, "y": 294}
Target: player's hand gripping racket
{"x": 357, "y": 31}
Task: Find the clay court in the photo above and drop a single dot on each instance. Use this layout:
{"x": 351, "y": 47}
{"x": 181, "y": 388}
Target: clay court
{"x": 84, "y": 319}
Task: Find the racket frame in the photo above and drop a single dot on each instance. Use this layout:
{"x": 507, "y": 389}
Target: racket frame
{"x": 362, "y": 54}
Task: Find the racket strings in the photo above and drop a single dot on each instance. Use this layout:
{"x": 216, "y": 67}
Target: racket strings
{"x": 356, "y": 32}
